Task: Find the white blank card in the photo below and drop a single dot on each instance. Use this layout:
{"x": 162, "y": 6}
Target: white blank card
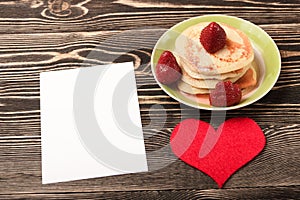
{"x": 90, "y": 123}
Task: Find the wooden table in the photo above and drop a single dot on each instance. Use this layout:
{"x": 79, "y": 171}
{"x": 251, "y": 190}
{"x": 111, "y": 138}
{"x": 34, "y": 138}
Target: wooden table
{"x": 41, "y": 35}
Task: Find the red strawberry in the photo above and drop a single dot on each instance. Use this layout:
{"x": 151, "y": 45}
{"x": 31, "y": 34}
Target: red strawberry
{"x": 213, "y": 37}
{"x": 167, "y": 69}
{"x": 225, "y": 94}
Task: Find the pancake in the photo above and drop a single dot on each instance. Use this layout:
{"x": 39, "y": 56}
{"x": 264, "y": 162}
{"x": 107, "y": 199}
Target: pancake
{"x": 184, "y": 87}
{"x": 223, "y": 76}
{"x": 207, "y": 83}
{"x": 236, "y": 54}
{"x": 247, "y": 81}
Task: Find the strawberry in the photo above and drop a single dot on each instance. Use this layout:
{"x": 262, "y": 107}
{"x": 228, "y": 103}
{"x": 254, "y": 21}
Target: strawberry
{"x": 167, "y": 69}
{"x": 225, "y": 94}
{"x": 213, "y": 37}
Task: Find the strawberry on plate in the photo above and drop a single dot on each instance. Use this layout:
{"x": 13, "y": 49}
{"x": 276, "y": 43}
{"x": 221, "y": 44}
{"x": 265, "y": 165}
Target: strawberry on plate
{"x": 167, "y": 69}
{"x": 213, "y": 37}
{"x": 225, "y": 94}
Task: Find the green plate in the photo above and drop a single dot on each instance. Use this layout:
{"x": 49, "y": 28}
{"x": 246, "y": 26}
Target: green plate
{"x": 263, "y": 44}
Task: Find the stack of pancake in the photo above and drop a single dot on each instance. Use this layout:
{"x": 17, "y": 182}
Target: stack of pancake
{"x": 201, "y": 71}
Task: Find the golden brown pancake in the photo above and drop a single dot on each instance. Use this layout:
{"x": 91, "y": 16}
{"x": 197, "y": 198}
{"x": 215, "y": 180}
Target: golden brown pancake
{"x": 207, "y": 83}
{"x": 197, "y": 75}
{"x": 192, "y": 56}
{"x": 248, "y": 80}
{"x": 185, "y": 87}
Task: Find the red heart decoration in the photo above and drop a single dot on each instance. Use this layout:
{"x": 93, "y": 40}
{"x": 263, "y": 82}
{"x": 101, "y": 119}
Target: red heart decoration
{"x": 219, "y": 153}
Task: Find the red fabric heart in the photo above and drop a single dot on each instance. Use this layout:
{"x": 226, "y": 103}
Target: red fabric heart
{"x": 219, "y": 153}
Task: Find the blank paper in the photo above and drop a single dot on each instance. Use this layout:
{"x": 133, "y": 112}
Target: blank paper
{"x": 90, "y": 123}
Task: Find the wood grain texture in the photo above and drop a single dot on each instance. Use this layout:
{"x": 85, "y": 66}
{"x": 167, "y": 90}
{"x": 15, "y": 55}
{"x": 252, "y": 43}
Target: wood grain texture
{"x": 20, "y": 160}
{"x": 231, "y": 194}
{"x": 127, "y": 14}
{"x": 37, "y": 36}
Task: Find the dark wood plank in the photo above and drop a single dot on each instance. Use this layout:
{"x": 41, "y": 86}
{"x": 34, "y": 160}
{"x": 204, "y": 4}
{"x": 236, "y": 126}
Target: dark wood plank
{"x": 109, "y": 15}
{"x": 277, "y": 165}
{"x": 241, "y": 193}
